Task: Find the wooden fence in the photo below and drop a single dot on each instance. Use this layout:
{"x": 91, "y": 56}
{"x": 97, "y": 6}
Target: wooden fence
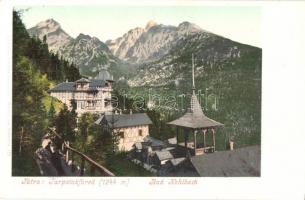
{"x": 84, "y": 158}
{"x": 94, "y": 166}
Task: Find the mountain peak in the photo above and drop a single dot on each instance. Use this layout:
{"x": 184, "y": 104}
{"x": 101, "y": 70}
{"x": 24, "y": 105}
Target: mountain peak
{"x": 150, "y": 24}
{"x": 83, "y": 36}
{"x": 51, "y": 20}
{"x": 48, "y": 23}
{"x": 185, "y": 23}
{"x": 56, "y": 37}
{"x": 187, "y": 26}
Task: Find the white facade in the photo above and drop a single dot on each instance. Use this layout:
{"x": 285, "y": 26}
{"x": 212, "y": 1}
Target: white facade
{"x": 130, "y": 128}
{"x": 84, "y": 95}
{"x": 128, "y": 136}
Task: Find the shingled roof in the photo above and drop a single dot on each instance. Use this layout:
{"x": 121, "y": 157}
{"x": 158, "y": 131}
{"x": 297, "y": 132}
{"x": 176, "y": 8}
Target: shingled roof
{"x": 240, "y": 162}
{"x": 125, "y": 120}
{"x": 195, "y": 118}
{"x": 164, "y": 155}
{"x": 70, "y": 86}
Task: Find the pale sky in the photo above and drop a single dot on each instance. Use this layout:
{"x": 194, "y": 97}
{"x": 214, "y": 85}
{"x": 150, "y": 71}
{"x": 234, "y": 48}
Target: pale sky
{"x": 239, "y": 23}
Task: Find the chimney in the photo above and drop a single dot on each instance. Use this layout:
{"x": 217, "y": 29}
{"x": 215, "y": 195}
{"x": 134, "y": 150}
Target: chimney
{"x": 130, "y": 111}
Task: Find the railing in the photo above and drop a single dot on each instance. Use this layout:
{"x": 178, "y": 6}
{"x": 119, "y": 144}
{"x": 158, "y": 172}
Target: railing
{"x": 95, "y": 166}
{"x": 200, "y": 149}
{"x": 89, "y": 98}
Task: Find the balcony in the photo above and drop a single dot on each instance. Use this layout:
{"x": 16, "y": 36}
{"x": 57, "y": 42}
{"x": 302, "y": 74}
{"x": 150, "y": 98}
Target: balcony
{"x": 88, "y": 98}
{"x": 90, "y": 108}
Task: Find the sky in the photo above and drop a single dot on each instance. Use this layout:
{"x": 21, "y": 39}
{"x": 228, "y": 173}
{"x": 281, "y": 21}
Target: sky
{"x": 239, "y": 23}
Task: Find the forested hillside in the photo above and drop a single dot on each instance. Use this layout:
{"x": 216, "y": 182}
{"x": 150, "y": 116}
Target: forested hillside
{"x": 35, "y": 70}
{"x": 227, "y": 77}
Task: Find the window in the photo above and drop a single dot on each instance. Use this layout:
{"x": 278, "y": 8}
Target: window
{"x": 121, "y": 134}
{"x": 140, "y": 132}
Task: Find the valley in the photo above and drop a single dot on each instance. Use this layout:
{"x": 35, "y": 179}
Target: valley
{"x": 155, "y": 61}
{"x": 68, "y": 90}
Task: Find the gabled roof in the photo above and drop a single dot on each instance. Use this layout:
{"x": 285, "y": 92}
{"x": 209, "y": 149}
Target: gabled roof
{"x": 240, "y": 162}
{"x": 154, "y": 142}
{"x": 195, "y": 118}
{"x": 82, "y": 80}
{"x": 164, "y": 155}
{"x": 125, "y": 120}
{"x": 177, "y": 161}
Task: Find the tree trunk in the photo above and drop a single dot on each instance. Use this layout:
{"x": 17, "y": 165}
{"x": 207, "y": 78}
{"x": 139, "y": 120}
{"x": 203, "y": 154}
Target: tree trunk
{"x": 72, "y": 162}
{"x": 20, "y": 141}
{"x": 82, "y": 167}
{"x": 177, "y": 135}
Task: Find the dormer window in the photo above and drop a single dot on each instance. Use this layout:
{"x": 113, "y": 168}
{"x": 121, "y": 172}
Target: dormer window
{"x": 82, "y": 84}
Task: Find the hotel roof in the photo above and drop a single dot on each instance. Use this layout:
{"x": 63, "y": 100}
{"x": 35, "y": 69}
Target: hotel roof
{"x": 125, "y": 120}
{"x": 70, "y": 86}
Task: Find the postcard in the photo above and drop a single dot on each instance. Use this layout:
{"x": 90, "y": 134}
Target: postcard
{"x": 137, "y": 100}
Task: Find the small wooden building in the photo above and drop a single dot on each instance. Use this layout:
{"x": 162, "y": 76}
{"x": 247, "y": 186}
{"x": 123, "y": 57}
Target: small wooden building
{"x": 163, "y": 156}
{"x": 131, "y": 128}
{"x": 193, "y": 121}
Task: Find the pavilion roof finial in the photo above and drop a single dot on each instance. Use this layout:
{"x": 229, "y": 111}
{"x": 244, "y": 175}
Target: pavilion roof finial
{"x": 193, "y": 72}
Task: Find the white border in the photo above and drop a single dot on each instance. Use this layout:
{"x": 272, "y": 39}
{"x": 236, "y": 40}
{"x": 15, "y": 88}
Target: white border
{"x": 283, "y": 116}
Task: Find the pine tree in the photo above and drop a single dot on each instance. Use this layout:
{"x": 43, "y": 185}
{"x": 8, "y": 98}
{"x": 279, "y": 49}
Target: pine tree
{"x": 52, "y": 114}
{"x": 33, "y": 68}
{"x": 86, "y": 122}
{"x": 65, "y": 124}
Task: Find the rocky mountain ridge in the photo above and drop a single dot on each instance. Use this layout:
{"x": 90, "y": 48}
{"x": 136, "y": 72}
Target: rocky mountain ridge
{"x": 156, "y": 40}
{"x": 56, "y": 37}
{"x": 120, "y": 46}
{"x": 88, "y": 53}
{"x": 211, "y": 52}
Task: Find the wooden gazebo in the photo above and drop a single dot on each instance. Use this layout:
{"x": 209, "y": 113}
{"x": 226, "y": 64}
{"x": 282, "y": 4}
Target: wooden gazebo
{"x": 194, "y": 121}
